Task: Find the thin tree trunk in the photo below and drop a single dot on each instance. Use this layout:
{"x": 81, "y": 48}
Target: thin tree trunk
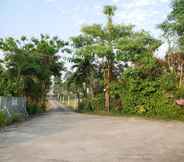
{"x": 181, "y": 76}
{"x": 107, "y": 88}
{"x": 97, "y": 107}
{"x": 18, "y": 91}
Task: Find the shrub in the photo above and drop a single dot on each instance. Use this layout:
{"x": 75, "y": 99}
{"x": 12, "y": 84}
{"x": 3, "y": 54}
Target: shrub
{"x": 168, "y": 81}
{"x": 161, "y": 106}
{"x": 16, "y": 117}
{"x": 148, "y": 96}
{"x": 92, "y": 104}
{"x": 85, "y": 106}
{"x": 3, "y": 119}
{"x": 179, "y": 93}
{"x": 34, "y": 109}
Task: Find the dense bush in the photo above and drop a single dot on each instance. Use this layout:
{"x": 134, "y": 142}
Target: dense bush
{"x": 92, "y": 104}
{"x": 143, "y": 90}
{"x": 34, "y": 109}
{"x": 179, "y": 93}
{"x": 168, "y": 82}
{"x": 148, "y": 96}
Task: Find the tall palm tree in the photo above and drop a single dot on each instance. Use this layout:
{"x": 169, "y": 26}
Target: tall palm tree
{"x": 111, "y": 43}
{"x": 109, "y": 11}
{"x": 84, "y": 71}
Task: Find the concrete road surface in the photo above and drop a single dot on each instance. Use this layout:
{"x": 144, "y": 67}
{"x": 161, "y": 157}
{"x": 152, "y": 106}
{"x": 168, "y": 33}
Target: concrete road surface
{"x": 63, "y": 136}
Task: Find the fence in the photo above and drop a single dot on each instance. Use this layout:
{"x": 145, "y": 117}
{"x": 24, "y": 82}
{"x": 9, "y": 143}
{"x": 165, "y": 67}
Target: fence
{"x": 69, "y": 100}
{"x": 13, "y": 105}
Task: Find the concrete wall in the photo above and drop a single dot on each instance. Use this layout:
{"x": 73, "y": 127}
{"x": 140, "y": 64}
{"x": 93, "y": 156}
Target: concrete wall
{"x": 13, "y": 105}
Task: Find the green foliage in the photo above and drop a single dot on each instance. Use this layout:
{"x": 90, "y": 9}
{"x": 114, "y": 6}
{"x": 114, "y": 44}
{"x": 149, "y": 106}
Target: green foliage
{"x": 85, "y": 106}
{"x": 3, "y": 119}
{"x": 174, "y": 24}
{"x": 168, "y": 81}
{"x": 92, "y": 104}
{"x": 146, "y": 95}
{"x": 30, "y": 64}
{"x": 109, "y": 10}
{"x": 34, "y": 109}
{"x": 100, "y": 57}
{"x": 179, "y": 93}
{"x": 109, "y": 45}
{"x": 16, "y": 117}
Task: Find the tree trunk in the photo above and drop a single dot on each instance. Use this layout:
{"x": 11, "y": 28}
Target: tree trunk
{"x": 18, "y": 91}
{"x": 107, "y": 80}
{"x": 107, "y": 98}
{"x": 181, "y": 76}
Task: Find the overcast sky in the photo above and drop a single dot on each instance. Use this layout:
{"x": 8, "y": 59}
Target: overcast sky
{"x": 64, "y": 17}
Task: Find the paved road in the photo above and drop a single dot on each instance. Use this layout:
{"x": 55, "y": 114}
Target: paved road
{"x": 61, "y": 136}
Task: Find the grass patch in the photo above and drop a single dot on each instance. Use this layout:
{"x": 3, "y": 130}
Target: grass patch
{"x": 177, "y": 117}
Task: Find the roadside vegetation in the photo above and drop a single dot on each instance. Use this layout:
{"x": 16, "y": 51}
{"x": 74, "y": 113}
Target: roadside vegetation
{"x": 27, "y": 68}
{"x": 114, "y": 68}
{"x": 15, "y": 118}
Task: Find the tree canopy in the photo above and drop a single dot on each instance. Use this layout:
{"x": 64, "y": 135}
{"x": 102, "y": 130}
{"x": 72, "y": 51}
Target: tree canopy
{"x": 113, "y": 43}
{"x": 113, "y": 67}
{"x": 173, "y": 26}
{"x": 29, "y": 65}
